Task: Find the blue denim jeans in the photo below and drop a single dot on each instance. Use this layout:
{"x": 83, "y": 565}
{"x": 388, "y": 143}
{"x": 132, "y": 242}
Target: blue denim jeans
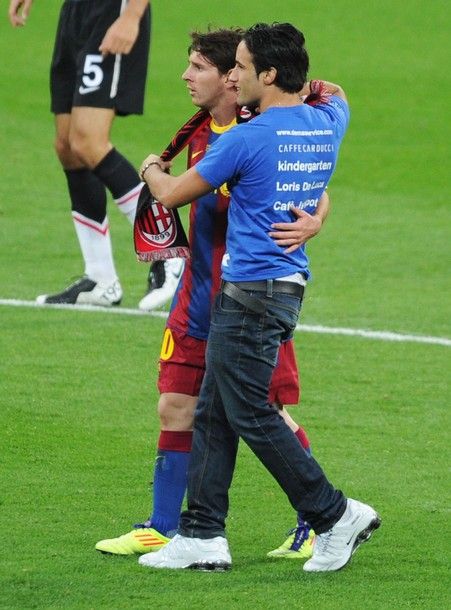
{"x": 233, "y": 403}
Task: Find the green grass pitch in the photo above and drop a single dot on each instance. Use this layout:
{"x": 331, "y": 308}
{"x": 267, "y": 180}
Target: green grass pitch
{"x": 78, "y": 424}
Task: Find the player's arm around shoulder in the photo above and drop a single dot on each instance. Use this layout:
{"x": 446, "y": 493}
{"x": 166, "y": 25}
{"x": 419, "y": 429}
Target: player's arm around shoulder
{"x": 292, "y": 235}
{"x": 325, "y": 86}
{"x": 331, "y": 99}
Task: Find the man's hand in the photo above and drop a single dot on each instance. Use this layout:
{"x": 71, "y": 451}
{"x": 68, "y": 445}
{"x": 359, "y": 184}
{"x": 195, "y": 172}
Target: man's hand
{"x": 18, "y": 12}
{"x": 294, "y": 234}
{"x": 149, "y": 162}
{"x": 120, "y": 36}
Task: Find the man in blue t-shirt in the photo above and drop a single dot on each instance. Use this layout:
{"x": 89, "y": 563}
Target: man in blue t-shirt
{"x": 282, "y": 159}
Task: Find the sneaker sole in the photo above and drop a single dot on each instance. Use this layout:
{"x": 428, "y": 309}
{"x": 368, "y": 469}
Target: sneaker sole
{"x": 366, "y": 534}
{"x": 116, "y": 554}
{"x": 210, "y": 566}
{"x": 41, "y": 300}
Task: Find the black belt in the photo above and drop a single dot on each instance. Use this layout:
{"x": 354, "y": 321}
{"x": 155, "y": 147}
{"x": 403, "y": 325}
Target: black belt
{"x": 270, "y": 286}
{"x": 235, "y": 290}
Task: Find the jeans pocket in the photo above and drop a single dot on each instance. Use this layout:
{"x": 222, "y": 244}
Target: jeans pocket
{"x": 229, "y": 305}
{"x": 284, "y": 311}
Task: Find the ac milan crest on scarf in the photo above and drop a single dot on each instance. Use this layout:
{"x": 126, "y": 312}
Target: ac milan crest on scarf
{"x": 158, "y": 233}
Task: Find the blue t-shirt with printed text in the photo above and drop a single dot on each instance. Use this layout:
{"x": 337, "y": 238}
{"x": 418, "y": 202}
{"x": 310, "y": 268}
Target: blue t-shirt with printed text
{"x": 283, "y": 158}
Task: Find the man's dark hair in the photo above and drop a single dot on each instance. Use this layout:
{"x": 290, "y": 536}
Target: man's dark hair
{"x": 279, "y": 46}
{"x": 217, "y": 46}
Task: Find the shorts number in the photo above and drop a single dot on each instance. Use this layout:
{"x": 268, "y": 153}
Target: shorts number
{"x": 92, "y": 73}
{"x": 167, "y": 347}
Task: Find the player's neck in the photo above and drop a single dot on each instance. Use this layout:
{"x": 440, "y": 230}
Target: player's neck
{"x": 276, "y": 98}
{"x": 224, "y": 111}
{"x": 223, "y": 119}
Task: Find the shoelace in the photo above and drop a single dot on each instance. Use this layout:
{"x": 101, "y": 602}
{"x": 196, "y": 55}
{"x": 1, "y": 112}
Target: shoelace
{"x": 322, "y": 541}
{"x": 142, "y": 526}
{"x": 301, "y": 534}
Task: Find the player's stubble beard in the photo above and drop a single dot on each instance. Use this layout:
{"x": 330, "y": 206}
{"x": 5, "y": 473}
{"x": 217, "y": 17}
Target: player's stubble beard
{"x": 248, "y": 99}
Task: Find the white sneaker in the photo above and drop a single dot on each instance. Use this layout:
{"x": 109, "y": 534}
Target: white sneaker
{"x": 102, "y": 295}
{"x": 334, "y": 548}
{"x": 87, "y": 292}
{"x": 164, "y": 278}
{"x": 211, "y": 555}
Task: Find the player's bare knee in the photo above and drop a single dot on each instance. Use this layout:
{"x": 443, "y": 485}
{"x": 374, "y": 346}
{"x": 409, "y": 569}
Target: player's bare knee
{"x": 87, "y": 149}
{"x": 81, "y": 146}
{"x": 66, "y": 156}
{"x": 63, "y": 151}
{"x": 288, "y": 419}
{"x": 176, "y": 412}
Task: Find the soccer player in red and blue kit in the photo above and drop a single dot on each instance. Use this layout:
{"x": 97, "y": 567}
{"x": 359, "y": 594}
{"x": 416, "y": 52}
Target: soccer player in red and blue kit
{"x": 182, "y": 358}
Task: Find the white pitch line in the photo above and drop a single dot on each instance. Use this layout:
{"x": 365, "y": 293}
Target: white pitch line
{"x": 379, "y": 335}
{"x": 95, "y": 308}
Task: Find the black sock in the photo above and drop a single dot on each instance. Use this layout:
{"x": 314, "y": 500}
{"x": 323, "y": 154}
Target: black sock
{"x": 87, "y": 194}
{"x": 117, "y": 174}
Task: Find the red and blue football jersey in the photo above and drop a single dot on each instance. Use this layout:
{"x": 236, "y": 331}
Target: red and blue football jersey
{"x": 191, "y": 307}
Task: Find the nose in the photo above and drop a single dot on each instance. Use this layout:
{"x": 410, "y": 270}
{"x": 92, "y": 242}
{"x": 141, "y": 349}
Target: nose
{"x": 233, "y": 75}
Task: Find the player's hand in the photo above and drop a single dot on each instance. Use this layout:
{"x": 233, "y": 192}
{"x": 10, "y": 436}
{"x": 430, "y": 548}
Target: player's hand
{"x": 294, "y": 234}
{"x": 149, "y": 162}
{"x": 19, "y": 11}
{"x": 120, "y": 36}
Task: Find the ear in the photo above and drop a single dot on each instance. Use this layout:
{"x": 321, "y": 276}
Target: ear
{"x": 269, "y": 76}
{"x": 228, "y": 84}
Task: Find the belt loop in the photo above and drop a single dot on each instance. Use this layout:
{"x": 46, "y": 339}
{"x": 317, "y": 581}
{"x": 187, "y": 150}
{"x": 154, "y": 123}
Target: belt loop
{"x": 269, "y": 287}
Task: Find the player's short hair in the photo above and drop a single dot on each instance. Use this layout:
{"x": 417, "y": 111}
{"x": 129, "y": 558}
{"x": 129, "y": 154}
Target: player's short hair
{"x": 217, "y": 46}
{"x": 279, "y": 46}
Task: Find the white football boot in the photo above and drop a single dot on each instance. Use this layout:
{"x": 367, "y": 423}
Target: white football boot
{"x": 163, "y": 281}
{"x": 86, "y": 292}
{"x": 333, "y": 549}
{"x": 181, "y": 552}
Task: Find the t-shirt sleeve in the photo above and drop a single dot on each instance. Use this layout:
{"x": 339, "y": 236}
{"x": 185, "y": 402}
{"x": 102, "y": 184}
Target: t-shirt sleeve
{"x": 224, "y": 159}
{"x": 340, "y": 112}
